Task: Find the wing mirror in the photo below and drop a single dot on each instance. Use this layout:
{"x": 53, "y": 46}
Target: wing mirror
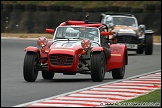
{"x": 50, "y": 31}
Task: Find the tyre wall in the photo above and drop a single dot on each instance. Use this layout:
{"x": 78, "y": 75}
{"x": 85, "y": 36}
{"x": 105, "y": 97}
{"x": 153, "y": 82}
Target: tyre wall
{"x": 35, "y": 19}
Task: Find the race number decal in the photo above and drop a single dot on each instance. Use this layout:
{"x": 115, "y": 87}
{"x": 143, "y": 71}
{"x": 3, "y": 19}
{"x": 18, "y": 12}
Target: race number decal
{"x": 116, "y": 49}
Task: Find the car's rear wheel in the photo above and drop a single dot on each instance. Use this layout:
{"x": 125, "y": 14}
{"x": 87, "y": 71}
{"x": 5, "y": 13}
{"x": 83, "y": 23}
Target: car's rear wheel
{"x": 29, "y": 69}
{"x": 47, "y": 75}
{"x": 148, "y": 44}
{"x": 98, "y": 66}
{"x": 140, "y": 50}
{"x": 119, "y": 72}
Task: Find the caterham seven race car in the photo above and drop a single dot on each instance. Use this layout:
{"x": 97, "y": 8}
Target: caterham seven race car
{"x": 127, "y": 31}
{"x": 76, "y": 47}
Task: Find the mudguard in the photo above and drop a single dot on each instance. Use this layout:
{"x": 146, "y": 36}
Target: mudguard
{"x": 32, "y": 49}
{"x": 102, "y": 49}
{"x": 118, "y": 53}
{"x": 97, "y": 49}
{"x": 149, "y": 32}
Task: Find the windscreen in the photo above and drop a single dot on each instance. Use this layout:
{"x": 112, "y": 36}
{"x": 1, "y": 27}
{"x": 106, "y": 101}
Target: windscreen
{"x": 73, "y": 32}
{"x": 120, "y": 20}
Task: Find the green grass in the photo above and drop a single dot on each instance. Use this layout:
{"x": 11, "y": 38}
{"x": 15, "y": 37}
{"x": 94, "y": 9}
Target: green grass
{"x": 152, "y": 99}
{"x": 88, "y": 4}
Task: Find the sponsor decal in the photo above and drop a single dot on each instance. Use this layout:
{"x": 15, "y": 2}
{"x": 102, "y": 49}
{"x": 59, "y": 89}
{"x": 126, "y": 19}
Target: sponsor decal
{"x": 115, "y": 54}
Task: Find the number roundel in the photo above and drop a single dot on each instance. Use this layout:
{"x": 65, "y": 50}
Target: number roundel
{"x": 42, "y": 41}
{"x": 86, "y": 43}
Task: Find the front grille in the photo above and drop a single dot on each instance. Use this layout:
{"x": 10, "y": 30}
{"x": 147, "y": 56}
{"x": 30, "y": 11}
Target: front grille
{"x": 61, "y": 59}
{"x": 127, "y": 39}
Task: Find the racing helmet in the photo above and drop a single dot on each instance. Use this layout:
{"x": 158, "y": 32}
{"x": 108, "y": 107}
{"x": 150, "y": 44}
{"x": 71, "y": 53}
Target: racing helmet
{"x": 71, "y": 33}
{"x": 142, "y": 27}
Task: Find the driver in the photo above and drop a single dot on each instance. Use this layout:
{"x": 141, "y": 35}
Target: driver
{"x": 71, "y": 33}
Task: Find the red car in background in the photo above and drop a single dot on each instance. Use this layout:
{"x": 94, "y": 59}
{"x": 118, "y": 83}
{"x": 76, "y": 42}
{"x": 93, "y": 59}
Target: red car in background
{"x": 76, "y": 47}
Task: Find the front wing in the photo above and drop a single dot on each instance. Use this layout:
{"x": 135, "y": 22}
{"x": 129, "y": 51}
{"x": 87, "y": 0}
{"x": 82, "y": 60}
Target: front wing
{"x": 118, "y": 53}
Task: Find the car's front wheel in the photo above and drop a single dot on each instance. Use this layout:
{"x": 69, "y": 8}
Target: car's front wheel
{"x": 140, "y": 50}
{"x": 47, "y": 75}
{"x": 29, "y": 69}
{"x": 148, "y": 44}
{"x": 98, "y": 66}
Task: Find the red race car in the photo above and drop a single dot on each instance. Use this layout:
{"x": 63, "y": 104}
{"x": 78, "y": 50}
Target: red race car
{"x": 77, "y": 47}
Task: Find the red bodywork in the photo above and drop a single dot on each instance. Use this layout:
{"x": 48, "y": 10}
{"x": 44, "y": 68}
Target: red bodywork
{"x": 118, "y": 52}
{"x": 61, "y": 59}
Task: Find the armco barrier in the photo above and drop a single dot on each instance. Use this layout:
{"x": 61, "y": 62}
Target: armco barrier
{"x": 35, "y": 19}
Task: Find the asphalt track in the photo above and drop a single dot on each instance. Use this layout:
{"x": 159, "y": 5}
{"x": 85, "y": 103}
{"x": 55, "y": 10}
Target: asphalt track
{"x": 15, "y": 91}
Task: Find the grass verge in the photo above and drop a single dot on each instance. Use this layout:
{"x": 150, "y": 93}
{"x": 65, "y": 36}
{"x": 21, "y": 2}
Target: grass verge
{"x": 152, "y": 99}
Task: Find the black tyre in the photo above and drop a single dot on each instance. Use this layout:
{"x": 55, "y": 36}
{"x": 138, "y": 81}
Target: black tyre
{"x": 113, "y": 9}
{"x": 137, "y": 10}
{"x": 100, "y": 9}
{"x": 41, "y": 8}
{"x": 1, "y": 6}
{"x": 66, "y": 8}
{"x": 148, "y": 44}
{"x": 98, "y": 66}
{"x": 29, "y": 71}
{"x": 53, "y": 8}
{"x": 30, "y": 8}
{"x": 18, "y": 8}
{"x": 120, "y": 72}
{"x": 125, "y": 9}
{"x": 77, "y": 9}
{"x": 7, "y": 7}
{"x": 158, "y": 11}
{"x": 140, "y": 50}
{"x": 150, "y": 7}
{"x": 88, "y": 9}
{"x": 47, "y": 75}
{"x": 158, "y": 7}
